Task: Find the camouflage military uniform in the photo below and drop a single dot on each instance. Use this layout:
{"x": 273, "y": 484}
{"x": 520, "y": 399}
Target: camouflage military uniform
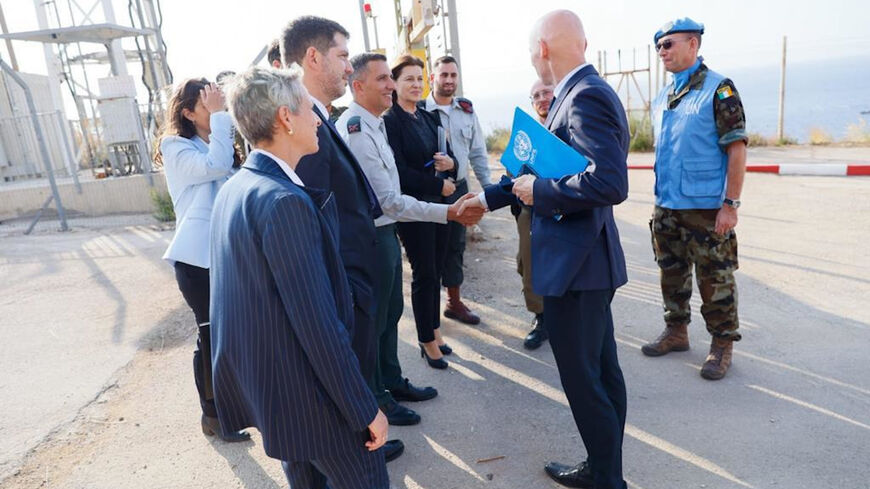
{"x": 683, "y": 238}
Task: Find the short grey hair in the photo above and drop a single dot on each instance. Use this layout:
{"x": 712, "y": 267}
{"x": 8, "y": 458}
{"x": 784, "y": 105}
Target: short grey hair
{"x": 254, "y": 97}
{"x": 360, "y": 64}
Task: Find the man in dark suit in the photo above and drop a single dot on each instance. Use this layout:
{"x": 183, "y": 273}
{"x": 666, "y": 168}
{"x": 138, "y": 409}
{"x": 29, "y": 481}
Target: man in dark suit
{"x": 319, "y": 46}
{"x": 577, "y": 261}
{"x": 281, "y": 308}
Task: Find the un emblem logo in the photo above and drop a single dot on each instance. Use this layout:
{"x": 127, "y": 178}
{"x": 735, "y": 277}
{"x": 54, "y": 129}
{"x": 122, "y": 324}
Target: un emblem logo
{"x": 522, "y": 146}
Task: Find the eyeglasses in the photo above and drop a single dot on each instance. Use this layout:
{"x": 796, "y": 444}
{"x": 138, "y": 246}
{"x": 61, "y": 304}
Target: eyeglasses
{"x": 667, "y": 44}
{"x": 541, "y": 95}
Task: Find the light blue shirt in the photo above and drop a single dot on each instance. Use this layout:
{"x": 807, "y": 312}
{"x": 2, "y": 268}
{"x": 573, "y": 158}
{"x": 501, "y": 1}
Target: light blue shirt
{"x": 195, "y": 171}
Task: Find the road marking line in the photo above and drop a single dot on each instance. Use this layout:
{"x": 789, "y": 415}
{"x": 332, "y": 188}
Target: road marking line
{"x": 807, "y": 405}
{"x": 558, "y": 396}
{"x": 452, "y": 458}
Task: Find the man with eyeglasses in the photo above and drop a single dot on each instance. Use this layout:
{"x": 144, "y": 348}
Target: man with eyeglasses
{"x": 700, "y": 139}
{"x": 541, "y": 97}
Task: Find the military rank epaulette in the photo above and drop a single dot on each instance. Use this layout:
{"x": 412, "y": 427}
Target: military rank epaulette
{"x": 354, "y": 124}
{"x": 465, "y": 104}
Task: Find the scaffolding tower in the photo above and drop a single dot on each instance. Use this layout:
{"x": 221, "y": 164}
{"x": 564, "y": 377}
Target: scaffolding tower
{"x": 83, "y": 44}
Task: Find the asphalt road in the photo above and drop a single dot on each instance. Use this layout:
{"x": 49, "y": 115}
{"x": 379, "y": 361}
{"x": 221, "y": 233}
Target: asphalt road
{"x": 114, "y": 406}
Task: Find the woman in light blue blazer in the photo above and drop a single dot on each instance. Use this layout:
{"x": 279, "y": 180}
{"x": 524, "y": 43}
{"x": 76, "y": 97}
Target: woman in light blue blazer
{"x": 198, "y": 156}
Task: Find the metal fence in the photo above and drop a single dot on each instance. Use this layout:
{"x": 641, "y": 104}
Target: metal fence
{"x": 19, "y": 152}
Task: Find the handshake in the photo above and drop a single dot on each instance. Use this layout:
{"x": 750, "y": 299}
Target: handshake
{"x": 464, "y": 211}
{"x": 469, "y": 210}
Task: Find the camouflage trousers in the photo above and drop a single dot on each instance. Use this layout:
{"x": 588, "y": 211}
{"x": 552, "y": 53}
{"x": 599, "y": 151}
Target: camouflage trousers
{"x": 682, "y": 239}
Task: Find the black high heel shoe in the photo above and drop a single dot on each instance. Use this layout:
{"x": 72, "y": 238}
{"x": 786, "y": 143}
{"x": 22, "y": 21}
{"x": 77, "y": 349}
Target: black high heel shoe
{"x": 440, "y": 363}
{"x": 445, "y": 349}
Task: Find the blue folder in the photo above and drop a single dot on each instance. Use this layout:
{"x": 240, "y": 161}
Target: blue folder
{"x": 533, "y": 149}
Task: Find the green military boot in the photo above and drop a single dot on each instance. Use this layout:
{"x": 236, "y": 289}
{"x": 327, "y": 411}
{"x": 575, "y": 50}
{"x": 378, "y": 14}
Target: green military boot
{"x": 719, "y": 359}
{"x": 674, "y": 338}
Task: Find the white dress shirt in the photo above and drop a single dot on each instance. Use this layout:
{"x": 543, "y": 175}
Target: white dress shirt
{"x": 283, "y": 164}
{"x": 320, "y": 106}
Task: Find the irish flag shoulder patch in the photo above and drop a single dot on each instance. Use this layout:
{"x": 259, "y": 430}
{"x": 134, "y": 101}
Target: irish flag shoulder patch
{"x": 724, "y": 92}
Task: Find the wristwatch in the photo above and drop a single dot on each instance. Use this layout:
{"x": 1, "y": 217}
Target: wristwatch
{"x": 732, "y": 203}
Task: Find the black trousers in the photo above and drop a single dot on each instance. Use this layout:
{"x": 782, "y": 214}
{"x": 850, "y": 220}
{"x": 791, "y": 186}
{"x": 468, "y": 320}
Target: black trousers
{"x": 453, "y": 275}
{"x": 580, "y": 326}
{"x": 426, "y": 246}
{"x": 193, "y": 282}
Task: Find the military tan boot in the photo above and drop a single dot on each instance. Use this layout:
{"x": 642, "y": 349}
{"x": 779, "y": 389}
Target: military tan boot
{"x": 719, "y": 359}
{"x": 674, "y": 338}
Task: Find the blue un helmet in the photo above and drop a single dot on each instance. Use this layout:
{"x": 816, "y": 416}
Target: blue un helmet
{"x": 679, "y": 25}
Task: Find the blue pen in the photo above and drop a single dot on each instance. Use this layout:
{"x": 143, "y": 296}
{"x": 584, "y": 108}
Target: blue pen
{"x": 427, "y": 165}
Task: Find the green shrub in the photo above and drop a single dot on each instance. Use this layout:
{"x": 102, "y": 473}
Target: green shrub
{"x": 497, "y": 140}
{"x": 642, "y": 139}
{"x": 786, "y": 141}
{"x": 163, "y": 210}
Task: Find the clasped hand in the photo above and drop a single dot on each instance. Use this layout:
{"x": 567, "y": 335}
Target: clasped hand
{"x": 443, "y": 162}
{"x": 465, "y": 214}
{"x": 524, "y": 189}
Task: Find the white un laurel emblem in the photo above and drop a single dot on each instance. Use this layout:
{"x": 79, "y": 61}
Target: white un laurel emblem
{"x": 522, "y": 146}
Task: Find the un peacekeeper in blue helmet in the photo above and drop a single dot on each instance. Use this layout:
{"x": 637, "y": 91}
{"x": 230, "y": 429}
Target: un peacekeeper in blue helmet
{"x": 700, "y": 139}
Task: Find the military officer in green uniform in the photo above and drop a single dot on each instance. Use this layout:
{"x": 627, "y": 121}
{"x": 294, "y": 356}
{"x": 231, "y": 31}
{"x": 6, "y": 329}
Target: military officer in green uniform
{"x": 700, "y": 137}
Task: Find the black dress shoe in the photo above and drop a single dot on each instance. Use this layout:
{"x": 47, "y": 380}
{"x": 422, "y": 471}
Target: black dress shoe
{"x": 571, "y": 476}
{"x": 537, "y": 336}
{"x": 408, "y": 392}
{"x": 398, "y": 415}
{"x": 445, "y": 349}
{"x": 439, "y": 363}
{"x": 211, "y": 427}
{"x": 393, "y": 449}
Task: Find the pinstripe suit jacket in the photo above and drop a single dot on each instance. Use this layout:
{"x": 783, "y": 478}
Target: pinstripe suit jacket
{"x": 280, "y": 306}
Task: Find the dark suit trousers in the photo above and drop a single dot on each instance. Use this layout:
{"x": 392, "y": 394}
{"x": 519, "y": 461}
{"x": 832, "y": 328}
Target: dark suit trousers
{"x": 453, "y": 274}
{"x": 363, "y": 340}
{"x": 388, "y": 371}
{"x": 360, "y": 470}
{"x": 194, "y": 286}
{"x": 580, "y": 326}
{"x": 426, "y": 247}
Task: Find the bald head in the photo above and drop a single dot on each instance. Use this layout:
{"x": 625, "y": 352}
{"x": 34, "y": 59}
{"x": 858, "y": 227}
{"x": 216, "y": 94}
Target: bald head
{"x": 557, "y": 45}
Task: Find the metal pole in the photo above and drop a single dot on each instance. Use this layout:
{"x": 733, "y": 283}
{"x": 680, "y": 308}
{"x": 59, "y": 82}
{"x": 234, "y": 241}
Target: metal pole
{"x": 454, "y": 40}
{"x": 72, "y": 163}
{"x": 40, "y": 138}
{"x": 8, "y": 41}
{"x": 115, "y": 47}
{"x": 375, "y": 27}
{"x": 365, "y": 24}
{"x": 780, "y": 132}
{"x": 649, "y": 81}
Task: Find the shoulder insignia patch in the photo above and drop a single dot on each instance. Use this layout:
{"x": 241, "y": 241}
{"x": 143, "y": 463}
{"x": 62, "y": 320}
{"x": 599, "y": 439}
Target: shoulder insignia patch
{"x": 354, "y": 124}
{"x": 465, "y": 104}
{"x": 724, "y": 92}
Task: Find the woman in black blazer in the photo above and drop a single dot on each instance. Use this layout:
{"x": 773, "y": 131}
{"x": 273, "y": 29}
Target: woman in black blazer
{"x": 424, "y": 173}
